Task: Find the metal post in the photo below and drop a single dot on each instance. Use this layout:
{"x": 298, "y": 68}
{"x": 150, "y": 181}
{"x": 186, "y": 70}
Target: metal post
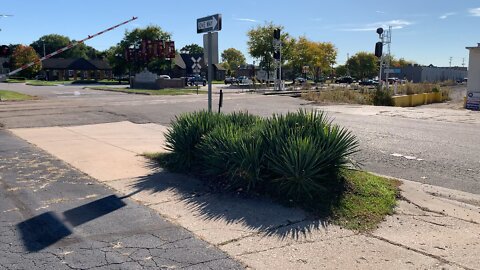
{"x": 210, "y": 70}
{"x": 280, "y": 68}
{"x": 220, "y": 101}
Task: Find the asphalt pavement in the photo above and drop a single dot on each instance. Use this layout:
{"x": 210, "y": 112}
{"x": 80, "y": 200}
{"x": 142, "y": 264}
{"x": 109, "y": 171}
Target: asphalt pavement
{"x": 55, "y": 217}
{"x": 424, "y": 144}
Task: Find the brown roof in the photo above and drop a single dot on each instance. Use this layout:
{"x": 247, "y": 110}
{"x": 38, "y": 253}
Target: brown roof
{"x": 75, "y": 64}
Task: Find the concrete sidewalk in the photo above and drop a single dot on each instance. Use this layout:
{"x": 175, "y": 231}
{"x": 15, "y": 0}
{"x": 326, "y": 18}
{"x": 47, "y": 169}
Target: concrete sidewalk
{"x": 433, "y": 228}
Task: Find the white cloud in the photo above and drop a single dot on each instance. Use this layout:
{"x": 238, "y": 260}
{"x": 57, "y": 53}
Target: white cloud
{"x": 246, "y": 20}
{"x": 446, "y": 15}
{"x": 474, "y": 12}
{"x": 380, "y": 12}
{"x": 395, "y": 24}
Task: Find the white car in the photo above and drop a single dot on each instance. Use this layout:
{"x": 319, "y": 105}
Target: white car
{"x": 164, "y": 77}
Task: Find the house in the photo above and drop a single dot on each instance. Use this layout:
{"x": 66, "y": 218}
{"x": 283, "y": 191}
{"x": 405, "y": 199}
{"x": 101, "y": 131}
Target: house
{"x": 64, "y": 69}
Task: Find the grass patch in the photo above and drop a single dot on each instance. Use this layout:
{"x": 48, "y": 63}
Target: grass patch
{"x": 366, "y": 201}
{"x": 218, "y": 82}
{"x": 14, "y": 96}
{"x": 15, "y": 81}
{"x": 166, "y": 91}
{"x": 46, "y": 83}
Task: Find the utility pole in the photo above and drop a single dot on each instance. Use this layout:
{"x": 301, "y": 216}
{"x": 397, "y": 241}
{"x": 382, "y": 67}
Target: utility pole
{"x": 463, "y": 62}
{"x": 451, "y": 61}
{"x": 348, "y": 69}
{"x": 388, "y": 40}
{"x": 44, "y": 49}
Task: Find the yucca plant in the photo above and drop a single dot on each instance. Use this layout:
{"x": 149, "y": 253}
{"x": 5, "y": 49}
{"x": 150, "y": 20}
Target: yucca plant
{"x": 235, "y": 154}
{"x": 185, "y": 134}
{"x": 305, "y": 153}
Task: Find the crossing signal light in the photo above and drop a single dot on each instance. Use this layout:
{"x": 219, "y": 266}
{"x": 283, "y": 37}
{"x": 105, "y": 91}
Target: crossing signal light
{"x": 276, "y": 34}
{"x": 276, "y": 55}
{"x": 379, "y": 49}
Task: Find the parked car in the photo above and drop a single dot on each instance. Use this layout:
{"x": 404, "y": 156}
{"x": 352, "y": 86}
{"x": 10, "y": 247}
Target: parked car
{"x": 346, "y": 79}
{"x": 231, "y": 80}
{"x": 197, "y": 80}
{"x": 40, "y": 77}
{"x": 164, "y": 77}
{"x": 300, "y": 80}
{"x": 244, "y": 80}
{"x": 368, "y": 82}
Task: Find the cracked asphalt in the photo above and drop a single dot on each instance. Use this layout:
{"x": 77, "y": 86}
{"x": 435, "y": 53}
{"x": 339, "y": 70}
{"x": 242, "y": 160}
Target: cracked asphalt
{"x": 55, "y": 217}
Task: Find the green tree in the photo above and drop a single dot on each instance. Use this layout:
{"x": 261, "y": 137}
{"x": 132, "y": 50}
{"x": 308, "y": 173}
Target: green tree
{"x": 23, "y": 55}
{"x": 318, "y": 56}
{"x": 55, "y": 42}
{"x": 260, "y": 45}
{"x": 192, "y": 49}
{"x": 231, "y": 59}
{"x": 133, "y": 39}
{"x": 363, "y": 65}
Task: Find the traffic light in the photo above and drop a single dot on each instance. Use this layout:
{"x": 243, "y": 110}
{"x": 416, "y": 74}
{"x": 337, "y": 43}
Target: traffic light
{"x": 276, "y": 55}
{"x": 379, "y": 49}
{"x": 4, "y": 51}
{"x": 276, "y": 34}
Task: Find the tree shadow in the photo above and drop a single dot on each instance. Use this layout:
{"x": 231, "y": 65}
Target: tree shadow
{"x": 257, "y": 214}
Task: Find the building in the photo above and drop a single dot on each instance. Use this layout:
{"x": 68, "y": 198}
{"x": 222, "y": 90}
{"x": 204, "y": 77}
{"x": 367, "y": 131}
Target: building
{"x": 74, "y": 68}
{"x": 418, "y": 74}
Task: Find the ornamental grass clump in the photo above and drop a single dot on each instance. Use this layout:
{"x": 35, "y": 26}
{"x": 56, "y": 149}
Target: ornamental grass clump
{"x": 185, "y": 134}
{"x": 298, "y": 157}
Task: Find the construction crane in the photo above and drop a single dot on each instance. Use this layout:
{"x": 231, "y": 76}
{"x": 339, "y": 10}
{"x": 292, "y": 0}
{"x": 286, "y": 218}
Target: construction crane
{"x": 68, "y": 47}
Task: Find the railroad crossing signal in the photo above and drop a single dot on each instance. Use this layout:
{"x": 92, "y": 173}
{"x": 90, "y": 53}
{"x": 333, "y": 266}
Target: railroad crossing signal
{"x": 196, "y": 64}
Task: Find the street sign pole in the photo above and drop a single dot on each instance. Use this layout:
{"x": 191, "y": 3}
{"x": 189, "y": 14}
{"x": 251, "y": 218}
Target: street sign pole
{"x": 209, "y": 25}
{"x": 210, "y": 71}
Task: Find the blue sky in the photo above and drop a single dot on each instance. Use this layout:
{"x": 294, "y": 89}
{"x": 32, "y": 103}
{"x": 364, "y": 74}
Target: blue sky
{"x": 425, "y": 31}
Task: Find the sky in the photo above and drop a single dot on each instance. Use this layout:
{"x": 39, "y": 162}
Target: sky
{"x": 424, "y": 31}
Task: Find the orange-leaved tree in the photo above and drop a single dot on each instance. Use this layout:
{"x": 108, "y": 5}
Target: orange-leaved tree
{"x": 23, "y": 55}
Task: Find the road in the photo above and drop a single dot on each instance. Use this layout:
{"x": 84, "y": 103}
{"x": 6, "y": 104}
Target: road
{"x": 55, "y": 217}
{"x": 427, "y": 144}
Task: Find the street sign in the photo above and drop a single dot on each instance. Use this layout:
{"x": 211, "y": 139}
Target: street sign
{"x": 473, "y": 101}
{"x": 206, "y": 46}
{"x": 209, "y": 24}
{"x": 393, "y": 70}
{"x": 305, "y": 69}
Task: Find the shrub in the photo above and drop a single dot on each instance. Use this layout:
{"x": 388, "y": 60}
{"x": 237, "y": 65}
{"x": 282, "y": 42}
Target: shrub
{"x": 234, "y": 154}
{"x": 294, "y": 157}
{"x": 185, "y": 134}
{"x": 305, "y": 153}
{"x": 382, "y": 97}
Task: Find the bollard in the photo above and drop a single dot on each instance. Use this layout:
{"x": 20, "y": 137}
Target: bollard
{"x": 220, "y": 101}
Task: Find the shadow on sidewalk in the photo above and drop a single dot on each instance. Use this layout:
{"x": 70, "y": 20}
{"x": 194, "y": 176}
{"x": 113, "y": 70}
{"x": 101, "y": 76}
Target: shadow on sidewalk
{"x": 259, "y": 214}
{"x": 46, "y": 229}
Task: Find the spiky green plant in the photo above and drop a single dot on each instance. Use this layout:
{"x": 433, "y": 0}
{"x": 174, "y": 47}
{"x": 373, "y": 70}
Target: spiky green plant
{"x": 234, "y": 153}
{"x": 185, "y": 134}
{"x": 305, "y": 153}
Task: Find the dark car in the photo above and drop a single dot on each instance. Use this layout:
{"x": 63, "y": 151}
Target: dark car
{"x": 300, "y": 80}
{"x": 368, "y": 82}
{"x": 346, "y": 79}
{"x": 231, "y": 80}
{"x": 197, "y": 80}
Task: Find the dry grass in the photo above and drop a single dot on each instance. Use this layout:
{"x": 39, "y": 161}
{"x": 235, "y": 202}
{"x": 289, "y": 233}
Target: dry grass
{"x": 340, "y": 95}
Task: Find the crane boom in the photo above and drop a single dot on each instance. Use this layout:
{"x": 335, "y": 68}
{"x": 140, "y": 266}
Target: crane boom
{"x": 69, "y": 46}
